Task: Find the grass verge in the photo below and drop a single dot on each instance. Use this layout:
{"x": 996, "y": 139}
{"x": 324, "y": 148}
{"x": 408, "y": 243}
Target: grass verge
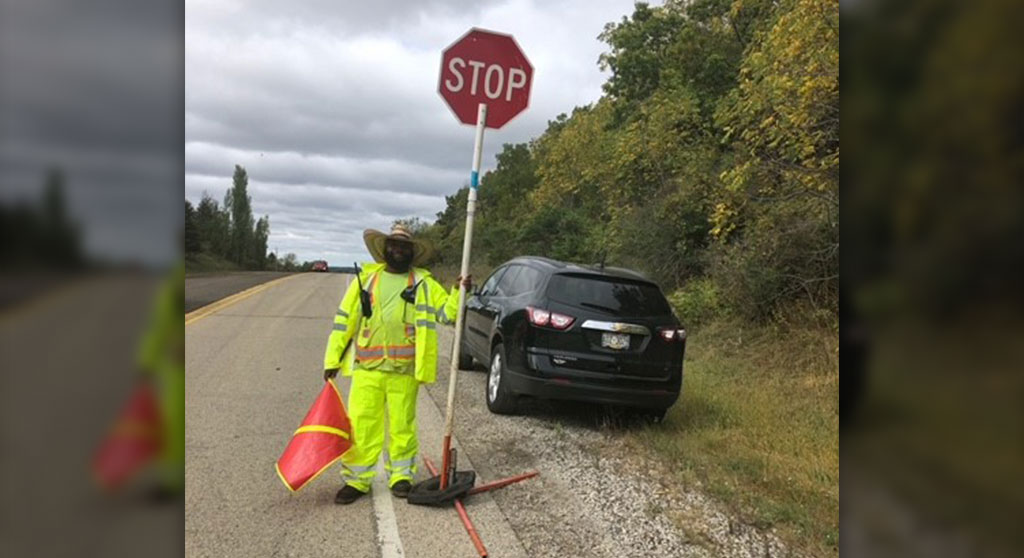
{"x": 757, "y": 427}
{"x": 202, "y": 262}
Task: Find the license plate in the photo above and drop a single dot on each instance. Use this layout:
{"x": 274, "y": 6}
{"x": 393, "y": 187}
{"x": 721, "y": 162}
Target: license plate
{"x": 615, "y": 340}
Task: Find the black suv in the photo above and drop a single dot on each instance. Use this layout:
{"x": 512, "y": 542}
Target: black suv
{"x": 562, "y": 331}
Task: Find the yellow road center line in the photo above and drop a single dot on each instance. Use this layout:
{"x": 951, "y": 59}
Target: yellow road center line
{"x": 200, "y": 313}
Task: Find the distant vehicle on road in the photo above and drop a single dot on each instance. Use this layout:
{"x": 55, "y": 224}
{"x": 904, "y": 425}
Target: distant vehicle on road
{"x": 319, "y": 265}
{"x": 556, "y": 330}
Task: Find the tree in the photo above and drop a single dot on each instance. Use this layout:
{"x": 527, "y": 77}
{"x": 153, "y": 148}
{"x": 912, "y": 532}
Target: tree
{"x": 60, "y": 239}
{"x": 503, "y": 198}
{"x": 192, "y": 244}
{"x": 638, "y": 47}
{"x": 229, "y": 232}
{"x": 261, "y": 235}
{"x": 712, "y": 155}
{"x": 781, "y": 190}
{"x": 414, "y": 225}
{"x": 213, "y": 225}
{"x": 238, "y": 202}
{"x": 290, "y": 261}
{"x": 42, "y": 235}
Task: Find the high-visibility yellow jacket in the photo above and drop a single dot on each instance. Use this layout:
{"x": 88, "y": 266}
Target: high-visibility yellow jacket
{"x": 433, "y": 305}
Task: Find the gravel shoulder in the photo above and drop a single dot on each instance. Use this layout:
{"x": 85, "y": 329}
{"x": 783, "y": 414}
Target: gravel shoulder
{"x": 591, "y": 498}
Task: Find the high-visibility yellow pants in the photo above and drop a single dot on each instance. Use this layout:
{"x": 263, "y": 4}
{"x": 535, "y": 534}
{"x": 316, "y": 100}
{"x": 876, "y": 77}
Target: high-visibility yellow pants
{"x": 371, "y": 394}
{"x": 170, "y": 381}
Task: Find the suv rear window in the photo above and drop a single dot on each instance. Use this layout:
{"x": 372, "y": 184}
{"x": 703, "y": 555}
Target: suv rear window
{"x": 616, "y": 296}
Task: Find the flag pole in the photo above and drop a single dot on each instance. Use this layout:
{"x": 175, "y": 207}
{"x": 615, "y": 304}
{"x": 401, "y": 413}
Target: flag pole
{"x": 467, "y": 244}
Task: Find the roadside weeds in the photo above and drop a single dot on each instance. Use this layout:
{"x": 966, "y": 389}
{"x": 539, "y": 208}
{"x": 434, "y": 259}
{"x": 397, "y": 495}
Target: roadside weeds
{"x": 757, "y": 429}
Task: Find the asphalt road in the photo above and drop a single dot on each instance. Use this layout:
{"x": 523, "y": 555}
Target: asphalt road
{"x": 203, "y": 288}
{"x": 253, "y": 369}
{"x": 68, "y": 366}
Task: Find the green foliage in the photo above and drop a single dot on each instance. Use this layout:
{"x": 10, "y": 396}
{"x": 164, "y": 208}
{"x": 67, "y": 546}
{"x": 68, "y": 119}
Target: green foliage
{"x": 697, "y": 302}
{"x": 556, "y": 232}
{"x": 41, "y": 235}
{"x": 213, "y": 226}
{"x": 415, "y": 225}
{"x": 201, "y": 262}
{"x": 638, "y": 48}
{"x": 229, "y": 233}
{"x": 710, "y": 163}
{"x": 778, "y": 208}
{"x": 261, "y": 234}
{"x": 290, "y": 262}
{"x": 780, "y": 256}
{"x": 192, "y": 244}
{"x": 239, "y": 203}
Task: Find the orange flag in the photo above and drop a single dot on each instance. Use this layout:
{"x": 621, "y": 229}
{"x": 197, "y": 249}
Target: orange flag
{"x": 322, "y": 438}
{"x": 134, "y": 440}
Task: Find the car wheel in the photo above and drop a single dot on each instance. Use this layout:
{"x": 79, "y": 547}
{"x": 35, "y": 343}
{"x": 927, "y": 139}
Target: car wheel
{"x": 652, "y": 416}
{"x": 499, "y": 399}
{"x": 465, "y": 359}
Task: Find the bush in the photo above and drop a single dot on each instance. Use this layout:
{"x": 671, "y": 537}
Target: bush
{"x": 697, "y": 302}
{"x": 785, "y": 253}
{"x": 665, "y": 238}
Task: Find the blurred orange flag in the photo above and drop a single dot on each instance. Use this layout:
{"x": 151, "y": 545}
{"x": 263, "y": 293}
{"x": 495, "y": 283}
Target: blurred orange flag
{"x": 134, "y": 440}
{"x": 322, "y": 438}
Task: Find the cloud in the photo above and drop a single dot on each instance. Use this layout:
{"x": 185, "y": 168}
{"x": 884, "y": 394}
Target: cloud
{"x": 319, "y": 221}
{"x": 289, "y": 167}
{"x": 95, "y": 90}
{"x": 335, "y": 105}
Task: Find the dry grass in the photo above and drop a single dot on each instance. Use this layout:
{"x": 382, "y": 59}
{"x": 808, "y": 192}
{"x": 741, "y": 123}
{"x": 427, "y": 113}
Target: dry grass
{"x": 940, "y": 428}
{"x": 757, "y": 427}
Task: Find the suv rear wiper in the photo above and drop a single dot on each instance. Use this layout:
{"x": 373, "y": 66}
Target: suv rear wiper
{"x": 599, "y": 307}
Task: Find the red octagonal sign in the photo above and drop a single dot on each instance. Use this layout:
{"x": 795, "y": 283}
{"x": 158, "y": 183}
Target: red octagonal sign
{"x": 485, "y": 67}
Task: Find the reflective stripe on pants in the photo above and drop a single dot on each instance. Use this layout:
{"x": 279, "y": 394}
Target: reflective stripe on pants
{"x": 372, "y": 394}
{"x": 400, "y": 469}
{"x": 358, "y": 476}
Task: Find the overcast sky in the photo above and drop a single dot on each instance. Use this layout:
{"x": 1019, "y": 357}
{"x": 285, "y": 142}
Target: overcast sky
{"x": 332, "y": 107}
{"x": 95, "y": 90}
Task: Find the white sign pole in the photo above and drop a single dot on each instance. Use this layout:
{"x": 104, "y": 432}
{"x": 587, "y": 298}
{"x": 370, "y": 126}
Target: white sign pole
{"x": 467, "y": 244}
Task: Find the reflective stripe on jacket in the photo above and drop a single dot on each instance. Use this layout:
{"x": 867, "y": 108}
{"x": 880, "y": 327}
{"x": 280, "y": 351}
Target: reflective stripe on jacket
{"x": 433, "y": 304}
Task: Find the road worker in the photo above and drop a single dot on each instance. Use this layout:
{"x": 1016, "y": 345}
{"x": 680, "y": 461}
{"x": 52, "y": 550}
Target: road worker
{"x": 388, "y": 351}
{"x": 162, "y": 359}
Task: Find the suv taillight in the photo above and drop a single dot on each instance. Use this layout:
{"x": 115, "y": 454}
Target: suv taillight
{"x": 672, "y": 334}
{"x": 545, "y": 318}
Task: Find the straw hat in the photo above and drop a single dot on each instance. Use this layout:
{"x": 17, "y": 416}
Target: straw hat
{"x": 422, "y": 250}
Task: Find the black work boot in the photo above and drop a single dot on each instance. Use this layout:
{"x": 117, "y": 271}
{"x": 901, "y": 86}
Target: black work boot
{"x": 347, "y": 495}
{"x": 401, "y": 489}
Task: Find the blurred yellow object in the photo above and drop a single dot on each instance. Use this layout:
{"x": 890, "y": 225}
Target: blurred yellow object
{"x": 162, "y": 357}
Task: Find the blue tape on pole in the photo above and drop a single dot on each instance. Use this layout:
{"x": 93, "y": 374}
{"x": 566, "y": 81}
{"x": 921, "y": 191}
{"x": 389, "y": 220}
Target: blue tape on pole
{"x": 474, "y": 180}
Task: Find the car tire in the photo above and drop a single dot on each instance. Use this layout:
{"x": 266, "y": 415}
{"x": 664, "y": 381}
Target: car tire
{"x": 652, "y": 416}
{"x": 465, "y": 359}
{"x": 499, "y": 400}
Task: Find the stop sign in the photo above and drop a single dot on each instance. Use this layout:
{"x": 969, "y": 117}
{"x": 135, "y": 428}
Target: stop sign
{"x": 485, "y": 67}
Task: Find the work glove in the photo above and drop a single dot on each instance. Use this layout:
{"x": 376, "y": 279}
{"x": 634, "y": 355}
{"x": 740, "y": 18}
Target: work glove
{"x": 467, "y": 282}
{"x": 330, "y": 373}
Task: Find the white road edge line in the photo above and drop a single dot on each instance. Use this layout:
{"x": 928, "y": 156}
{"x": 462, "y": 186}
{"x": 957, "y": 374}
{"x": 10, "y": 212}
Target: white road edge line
{"x": 387, "y": 526}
